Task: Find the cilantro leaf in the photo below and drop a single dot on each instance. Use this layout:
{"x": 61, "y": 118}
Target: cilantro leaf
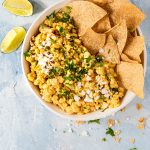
{"x": 133, "y": 148}
{"x": 26, "y": 54}
{"x": 104, "y": 139}
{"x": 94, "y": 121}
{"x": 110, "y": 131}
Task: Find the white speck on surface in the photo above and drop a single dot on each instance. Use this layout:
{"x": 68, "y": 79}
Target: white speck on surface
{"x": 85, "y": 133}
{"x": 70, "y": 130}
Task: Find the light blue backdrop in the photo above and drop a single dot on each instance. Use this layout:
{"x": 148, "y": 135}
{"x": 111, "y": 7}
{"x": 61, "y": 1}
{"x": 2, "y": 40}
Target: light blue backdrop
{"x": 26, "y": 125}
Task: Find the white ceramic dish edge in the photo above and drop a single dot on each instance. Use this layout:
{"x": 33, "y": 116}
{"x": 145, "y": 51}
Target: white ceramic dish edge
{"x": 91, "y": 116}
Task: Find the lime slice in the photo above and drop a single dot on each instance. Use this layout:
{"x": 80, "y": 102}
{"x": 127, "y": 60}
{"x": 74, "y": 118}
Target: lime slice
{"x": 19, "y": 7}
{"x": 13, "y": 39}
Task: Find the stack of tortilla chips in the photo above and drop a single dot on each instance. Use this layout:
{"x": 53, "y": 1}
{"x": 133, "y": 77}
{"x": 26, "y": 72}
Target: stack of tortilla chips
{"x": 109, "y": 28}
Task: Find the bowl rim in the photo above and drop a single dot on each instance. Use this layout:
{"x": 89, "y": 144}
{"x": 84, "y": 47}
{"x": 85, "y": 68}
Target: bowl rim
{"x": 66, "y": 116}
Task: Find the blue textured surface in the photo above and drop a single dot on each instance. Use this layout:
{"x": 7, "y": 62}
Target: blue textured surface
{"x": 26, "y": 125}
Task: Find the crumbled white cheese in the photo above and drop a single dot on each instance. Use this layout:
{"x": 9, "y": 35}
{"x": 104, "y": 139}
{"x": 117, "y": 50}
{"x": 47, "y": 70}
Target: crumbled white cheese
{"x": 76, "y": 98}
{"x": 104, "y": 91}
{"x": 48, "y": 39}
{"x": 43, "y": 43}
{"x": 82, "y": 93}
{"x": 88, "y": 78}
{"x": 46, "y": 62}
{"x": 101, "y": 50}
{"x": 79, "y": 84}
{"x": 107, "y": 95}
{"x": 53, "y": 37}
{"x": 97, "y": 97}
{"x": 88, "y": 99}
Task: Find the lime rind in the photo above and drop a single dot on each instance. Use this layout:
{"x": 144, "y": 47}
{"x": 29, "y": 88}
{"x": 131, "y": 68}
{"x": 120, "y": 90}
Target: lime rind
{"x": 20, "y": 8}
{"x": 13, "y": 39}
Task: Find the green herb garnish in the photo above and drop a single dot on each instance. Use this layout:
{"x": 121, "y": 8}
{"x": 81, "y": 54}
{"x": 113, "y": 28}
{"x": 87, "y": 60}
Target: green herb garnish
{"x": 64, "y": 93}
{"x": 94, "y": 121}
{"x": 62, "y": 31}
{"x": 110, "y": 131}
{"x": 88, "y": 59}
{"x": 133, "y": 148}
{"x": 99, "y": 58}
{"x": 27, "y": 54}
{"x": 104, "y": 139}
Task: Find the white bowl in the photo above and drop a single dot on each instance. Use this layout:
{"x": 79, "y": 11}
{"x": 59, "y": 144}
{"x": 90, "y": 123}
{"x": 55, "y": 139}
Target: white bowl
{"x": 33, "y": 30}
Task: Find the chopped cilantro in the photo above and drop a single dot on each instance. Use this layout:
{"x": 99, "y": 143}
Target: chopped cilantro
{"x": 99, "y": 58}
{"x": 101, "y": 64}
{"x": 104, "y": 139}
{"x": 68, "y": 78}
{"x": 94, "y": 121}
{"x": 71, "y": 66}
{"x": 62, "y": 31}
{"x": 88, "y": 59}
{"x": 133, "y": 148}
{"x": 83, "y": 71}
{"x": 27, "y": 54}
{"x": 110, "y": 131}
{"x": 64, "y": 92}
{"x": 47, "y": 48}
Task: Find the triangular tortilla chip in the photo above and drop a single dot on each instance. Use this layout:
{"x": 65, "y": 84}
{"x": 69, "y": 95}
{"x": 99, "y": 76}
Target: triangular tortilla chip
{"x": 123, "y": 10}
{"x": 101, "y": 3}
{"x": 102, "y": 25}
{"x": 110, "y": 51}
{"x": 132, "y": 77}
{"x": 86, "y": 14}
{"x": 93, "y": 41}
{"x": 127, "y": 59}
{"x": 134, "y": 47}
{"x": 119, "y": 33}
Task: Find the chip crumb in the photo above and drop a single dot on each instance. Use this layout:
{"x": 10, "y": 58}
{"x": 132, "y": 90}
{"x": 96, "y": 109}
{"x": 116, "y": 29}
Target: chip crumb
{"x": 140, "y": 126}
{"x": 123, "y": 109}
{"x": 132, "y": 140}
{"x": 142, "y": 120}
{"x": 138, "y": 106}
{"x": 117, "y": 139}
{"x": 78, "y": 122}
{"x": 117, "y": 132}
{"x": 111, "y": 122}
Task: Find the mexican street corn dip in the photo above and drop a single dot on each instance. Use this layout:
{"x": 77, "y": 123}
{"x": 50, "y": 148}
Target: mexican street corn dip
{"x": 65, "y": 72}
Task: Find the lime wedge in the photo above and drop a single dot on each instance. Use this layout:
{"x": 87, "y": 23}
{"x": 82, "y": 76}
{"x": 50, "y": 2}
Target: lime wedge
{"x": 19, "y": 7}
{"x": 13, "y": 39}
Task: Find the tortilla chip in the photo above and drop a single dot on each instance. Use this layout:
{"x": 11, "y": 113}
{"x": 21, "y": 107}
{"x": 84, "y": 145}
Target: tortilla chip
{"x": 127, "y": 59}
{"x": 119, "y": 33}
{"x": 110, "y": 51}
{"x": 102, "y": 25}
{"x": 101, "y": 3}
{"x": 134, "y": 47}
{"x": 134, "y": 33}
{"x": 93, "y": 41}
{"x": 123, "y": 10}
{"x": 132, "y": 77}
{"x": 86, "y": 14}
